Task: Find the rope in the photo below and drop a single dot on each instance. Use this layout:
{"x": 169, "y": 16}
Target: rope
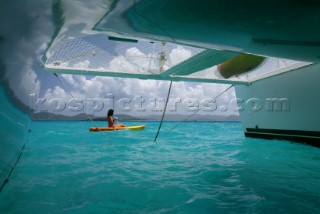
{"x": 67, "y": 89}
{"x": 15, "y": 164}
{"x": 164, "y": 111}
{"x": 197, "y": 110}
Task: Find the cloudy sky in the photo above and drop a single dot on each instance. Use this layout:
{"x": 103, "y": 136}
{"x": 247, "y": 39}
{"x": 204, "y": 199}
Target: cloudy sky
{"x": 96, "y": 94}
{"x": 132, "y": 96}
{"x": 72, "y": 94}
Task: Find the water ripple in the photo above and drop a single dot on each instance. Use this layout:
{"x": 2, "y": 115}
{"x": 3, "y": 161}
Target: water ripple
{"x": 197, "y": 168}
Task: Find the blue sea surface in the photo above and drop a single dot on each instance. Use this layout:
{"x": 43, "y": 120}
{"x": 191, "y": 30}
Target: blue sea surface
{"x": 200, "y": 167}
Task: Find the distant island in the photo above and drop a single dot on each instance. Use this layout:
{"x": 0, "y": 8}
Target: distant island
{"x": 40, "y": 116}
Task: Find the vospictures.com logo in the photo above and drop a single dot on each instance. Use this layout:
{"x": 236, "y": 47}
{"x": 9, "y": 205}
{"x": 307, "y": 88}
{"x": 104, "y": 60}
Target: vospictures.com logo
{"x": 141, "y": 104}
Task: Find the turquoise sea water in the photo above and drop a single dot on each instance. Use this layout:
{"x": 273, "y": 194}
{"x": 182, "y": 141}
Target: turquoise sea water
{"x": 201, "y": 167}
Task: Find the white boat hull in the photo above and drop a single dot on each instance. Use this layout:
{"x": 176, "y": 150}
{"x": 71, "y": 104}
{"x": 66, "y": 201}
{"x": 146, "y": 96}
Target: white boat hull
{"x": 283, "y": 106}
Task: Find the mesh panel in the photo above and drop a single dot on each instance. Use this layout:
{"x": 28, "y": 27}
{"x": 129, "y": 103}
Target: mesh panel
{"x": 155, "y": 60}
{"x": 100, "y": 54}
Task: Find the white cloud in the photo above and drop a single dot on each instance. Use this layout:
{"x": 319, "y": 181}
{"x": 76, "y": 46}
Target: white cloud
{"x": 30, "y": 83}
{"x": 101, "y": 87}
{"x": 179, "y": 54}
{"x": 57, "y": 92}
{"x": 69, "y": 79}
{"x": 82, "y": 65}
{"x": 120, "y": 64}
{"x": 134, "y": 52}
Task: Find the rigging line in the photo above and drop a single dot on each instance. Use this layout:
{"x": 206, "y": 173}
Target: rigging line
{"x": 151, "y": 56}
{"x": 68, "y": 90}
{"x": 164, "y": 111}
{"x": 15, "y": 164}
{"x": 197, "y": 110}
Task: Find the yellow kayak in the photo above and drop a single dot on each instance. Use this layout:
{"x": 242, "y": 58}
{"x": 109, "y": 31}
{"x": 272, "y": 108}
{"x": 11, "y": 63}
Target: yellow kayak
{"x": 132, "y": 128}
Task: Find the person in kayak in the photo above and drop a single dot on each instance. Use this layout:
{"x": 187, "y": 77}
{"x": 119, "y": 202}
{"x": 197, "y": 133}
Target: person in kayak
{"x": 112, "y": 120}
